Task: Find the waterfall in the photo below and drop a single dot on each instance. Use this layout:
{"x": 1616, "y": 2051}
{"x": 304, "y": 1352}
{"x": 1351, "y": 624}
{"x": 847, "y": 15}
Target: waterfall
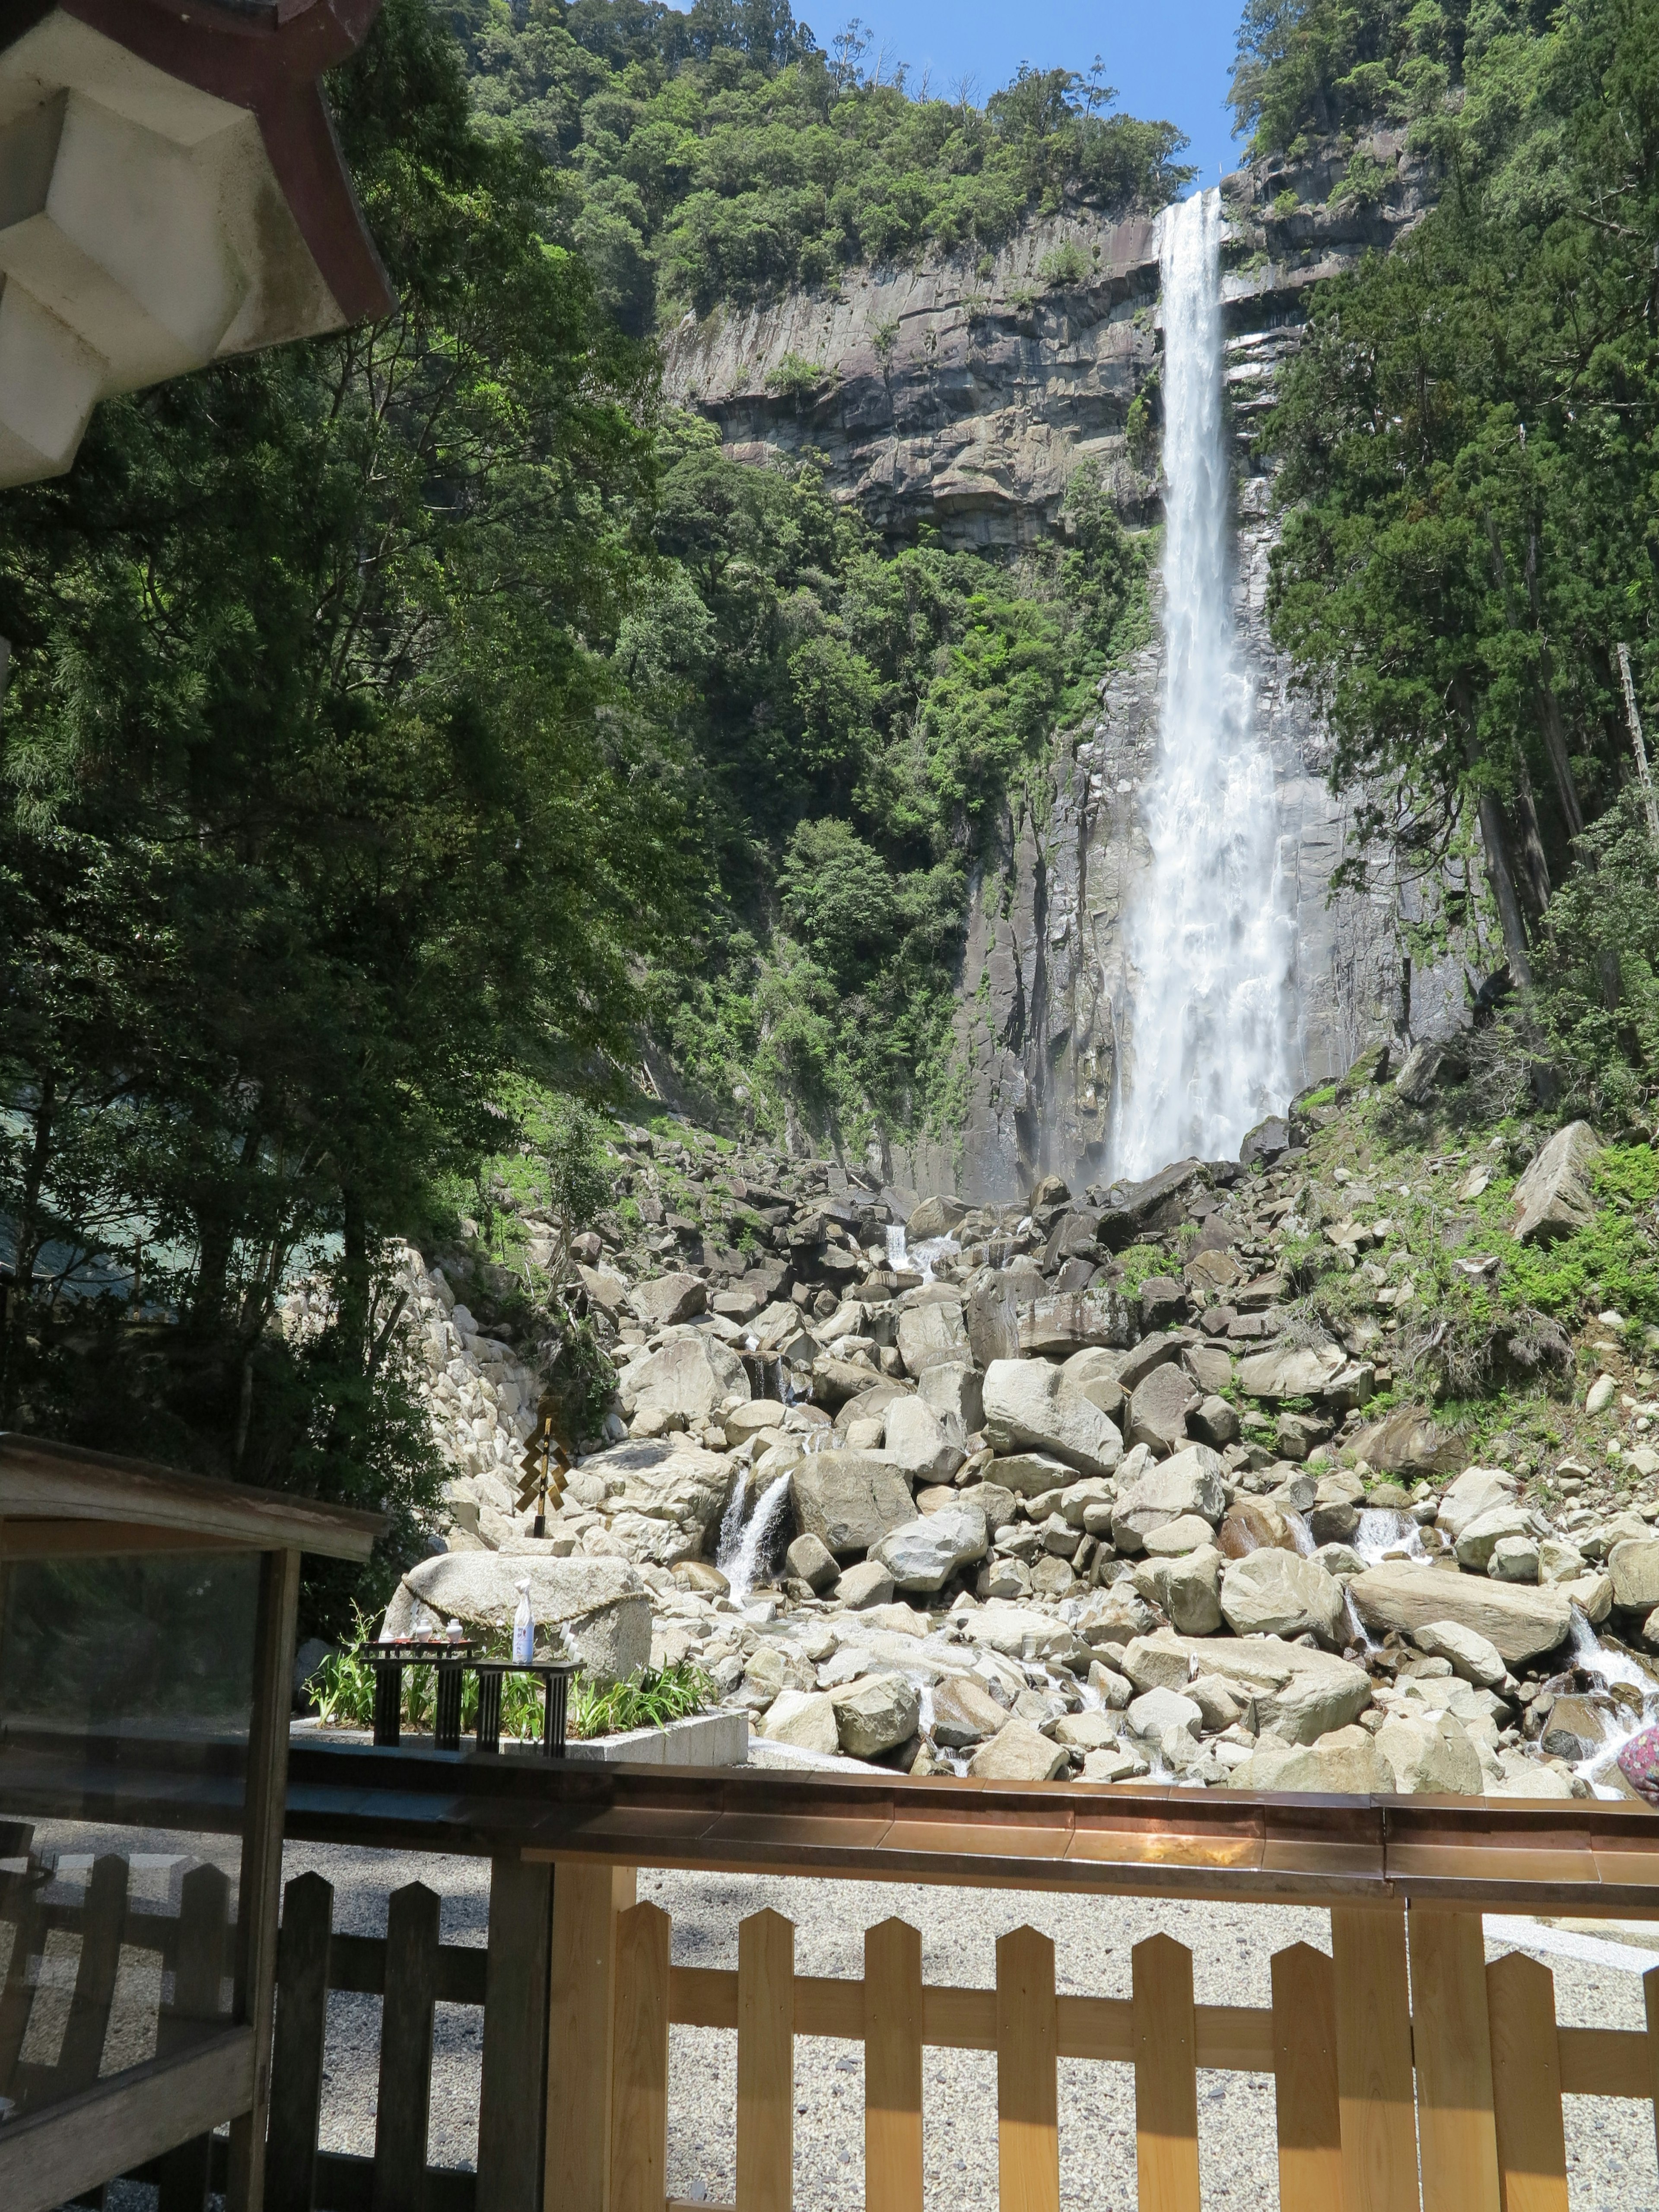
{"x": 1208, "y": 935}
{"x": 743, "y": 1544}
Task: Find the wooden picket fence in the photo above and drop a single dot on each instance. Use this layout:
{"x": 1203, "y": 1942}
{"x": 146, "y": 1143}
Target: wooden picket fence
{"x": 1400, "y": 2049}
{"x": 408, "y": 1968}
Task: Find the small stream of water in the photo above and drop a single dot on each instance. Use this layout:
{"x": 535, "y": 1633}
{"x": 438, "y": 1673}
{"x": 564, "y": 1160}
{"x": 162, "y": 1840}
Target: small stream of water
{"x": 744, "y": 1541}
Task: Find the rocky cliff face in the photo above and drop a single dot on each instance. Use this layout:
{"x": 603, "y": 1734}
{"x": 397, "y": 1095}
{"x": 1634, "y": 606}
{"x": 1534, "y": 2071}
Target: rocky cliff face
{"x": 964, "y": 395}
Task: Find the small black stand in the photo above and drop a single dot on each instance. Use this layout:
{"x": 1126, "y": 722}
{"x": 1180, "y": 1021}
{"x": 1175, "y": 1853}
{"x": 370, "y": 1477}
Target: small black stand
{"x": 556, "y": 1673}
{"x": 450, "y": 1661}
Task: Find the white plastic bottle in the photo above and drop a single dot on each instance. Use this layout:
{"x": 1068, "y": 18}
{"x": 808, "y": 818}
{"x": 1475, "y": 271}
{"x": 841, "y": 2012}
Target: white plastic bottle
{"x": 524, "y": 1629}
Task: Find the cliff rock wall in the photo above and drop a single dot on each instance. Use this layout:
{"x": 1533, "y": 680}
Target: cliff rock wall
{"x": 963, "y": 394}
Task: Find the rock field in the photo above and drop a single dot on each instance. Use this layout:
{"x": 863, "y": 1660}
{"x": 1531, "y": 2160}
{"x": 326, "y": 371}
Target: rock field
{"x": 1070, "y": 1488}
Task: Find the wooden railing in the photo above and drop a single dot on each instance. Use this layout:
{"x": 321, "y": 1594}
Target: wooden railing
{"x": 408, "y": 1968}
{"x": 1400, "y": 2047}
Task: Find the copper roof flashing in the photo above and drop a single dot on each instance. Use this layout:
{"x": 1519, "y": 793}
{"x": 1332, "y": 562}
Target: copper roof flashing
{"x": 171, "y": 194}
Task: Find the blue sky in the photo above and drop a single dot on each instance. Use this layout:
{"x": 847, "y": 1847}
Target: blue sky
{"x": 1172, "y": 58}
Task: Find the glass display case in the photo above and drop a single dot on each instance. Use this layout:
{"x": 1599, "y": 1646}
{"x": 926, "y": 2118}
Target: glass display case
{"x": 147, "y": 1624}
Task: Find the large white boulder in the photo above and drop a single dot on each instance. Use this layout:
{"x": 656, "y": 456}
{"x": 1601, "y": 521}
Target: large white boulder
{"x": 1343, "y": 1763}
{"x": 1274, "y": 1593}
{"x": 849, "y": 1500}
{"x": 1523, "y": 1621}
{"x": 926, "y": 1552}
{"x": 916, "y": 1438}
{"x": 678, "y": 1485}
{"x": 1476, "y": 1491}
{"x": 1480, "y": 1537}
{"x": 690, "y": 1376}
{"x": 876, "y": 1714}
{"x": 599, "y": 1609}
{"x": 666, "y": 1300}
{"x": 1029, "y": 1402}
{"x": 1475, "y": 1657}
{"x": 1188, "y": 1588}
{"x": 1187, "y": 1482}
{"x": 1433, "y": 1753}
{"x": 932, "y": 1335}
{"x": 1554, "y": 1197}
{"x": 1299, "y": 1694}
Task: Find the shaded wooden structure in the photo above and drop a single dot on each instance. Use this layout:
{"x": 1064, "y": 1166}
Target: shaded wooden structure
{"x": 82, "y": 2123}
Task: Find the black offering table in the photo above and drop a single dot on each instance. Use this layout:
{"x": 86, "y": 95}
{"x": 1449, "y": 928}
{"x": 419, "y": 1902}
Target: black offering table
{"x": 555, "y": 1673}
{"x": 449, "y": 1659}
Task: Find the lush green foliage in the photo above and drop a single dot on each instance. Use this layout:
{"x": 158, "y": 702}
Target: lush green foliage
{"x": 1468, "y": 442}
{"x": 720, "y": 153}
{"x": 649, "y": 1699}
{"x": 1306, "y": 69}
{"x": 855, "y": 717}
{"x": 316, "y": 820}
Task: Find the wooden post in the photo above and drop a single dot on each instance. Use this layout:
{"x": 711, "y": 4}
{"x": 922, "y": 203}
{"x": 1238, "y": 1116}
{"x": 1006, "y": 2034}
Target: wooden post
{"x": 639, "y": 2113}
{"x": 766, "y": 2062}
{"x": 404, "y": 2110}
{"x": 513, "y": 2093}
{"x": 1304, "y": 2080}
{"x": 1651, "y": 1996}
{"x": 580, "y": 2004}
{"x": 101, "y": 1922}
{"x": 259, "y": 1903}
{"x": 1526, "y": 2080}
{"x": 1374, "y": 2059}
{"x": 198, "y": 1974}
{"x": 892, "y": 2068}
{"x": 296, "y": 2065}
{"x": 1027, "y": 2084}
{"x": 1453, "y": 2048}
{"x": 1166, "y": 2076}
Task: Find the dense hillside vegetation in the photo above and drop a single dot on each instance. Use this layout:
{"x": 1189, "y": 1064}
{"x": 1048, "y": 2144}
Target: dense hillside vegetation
{"x": 1468, "y": 444}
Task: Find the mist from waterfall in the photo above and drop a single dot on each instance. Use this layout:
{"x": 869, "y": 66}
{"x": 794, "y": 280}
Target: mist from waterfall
{"x": 1209, "y": 936}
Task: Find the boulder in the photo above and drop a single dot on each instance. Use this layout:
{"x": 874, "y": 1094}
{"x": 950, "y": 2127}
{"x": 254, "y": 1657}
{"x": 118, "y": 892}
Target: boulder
{"x": 1157, "y": 1711}
{"x": 1476, "y": 1658}
{"x": 1188, "y": 1588}
{"x": 1409, "y": 1442}
{"x": 995, "y": 1500}
{"x": 1017, "y": 1754}
{"x": 599, "y": 1609}
{"x": 1274, "y": 1593}
{"x": 1210, "y": 1365}
{"x": 1215, "y": 1422}
{"x": 693, "y": 1376}
{"x": 1344, "y": 1763}
{"x": 955, "y": 1392}
{"x": 1554, "y": 1196}
{"x": 745, "y": 1421}
{"x": 1479, "y": 1536}
{"x": 1263, "y": 1145}
{"x": 1514, "y": 1559}
{"x": 1433, "y": 1753}
{"x": 1522, "y": 1622}
{"x": 1298, "y": 1693}
{"x": 877, "y": 1713}
{"x": 1178, "y": 1537}
{"x": 1189, "y": 1482}
{"x": 992, "y": 1318}
{"x": 679, "y": 1485}
{"x": 926, "y": 1552}
{"x": 1115, "y": 1614}
{"x": 1635, "y": 1571}
{"x": 1292, "y": 1372}
{"x": 934, "y": 1216}
{"x": 667, "y": 1299}
{"x": 1028, "y": 1475}
{"x": 1016, "y": 1631}
{"x": 1159, "y": 1408}
{"x": 932, "y": 1335}
{"x": 811, "y": 1561}
{"x": 917, "y": 1441}
{"x": 1574, "y": 1730}
{"x": 965, "y": 1712}
{"x": 1094, "y": 1373}
{"x": 1434, "y": 1061}
{"x": 1150, "y": 1352}
{"x": 1592, "y": 1595}
{"x": 1028, "y": 1401}
{"x": 806, "y": 1718}
{"x": 1477, "y": 1490}
{"x": 850, "y": 1500}
{"x": 866, "y": 1584}
{"x": 1116, "y": 1764}
{"x": 605, "y": 1290}
{"x": 1084, "y": 1731}
{"x": 1159, "y": 1202}
{"x": 1249, "y": 1525}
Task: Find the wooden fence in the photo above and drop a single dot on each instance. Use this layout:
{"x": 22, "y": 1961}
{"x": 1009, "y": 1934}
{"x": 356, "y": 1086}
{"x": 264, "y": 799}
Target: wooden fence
{"x": 1401, "y": 2041}
{"x": 189, "y": 1955}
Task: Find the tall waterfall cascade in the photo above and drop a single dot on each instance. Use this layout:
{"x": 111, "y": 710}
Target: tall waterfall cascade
{"x": 1207, "y": 1028}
